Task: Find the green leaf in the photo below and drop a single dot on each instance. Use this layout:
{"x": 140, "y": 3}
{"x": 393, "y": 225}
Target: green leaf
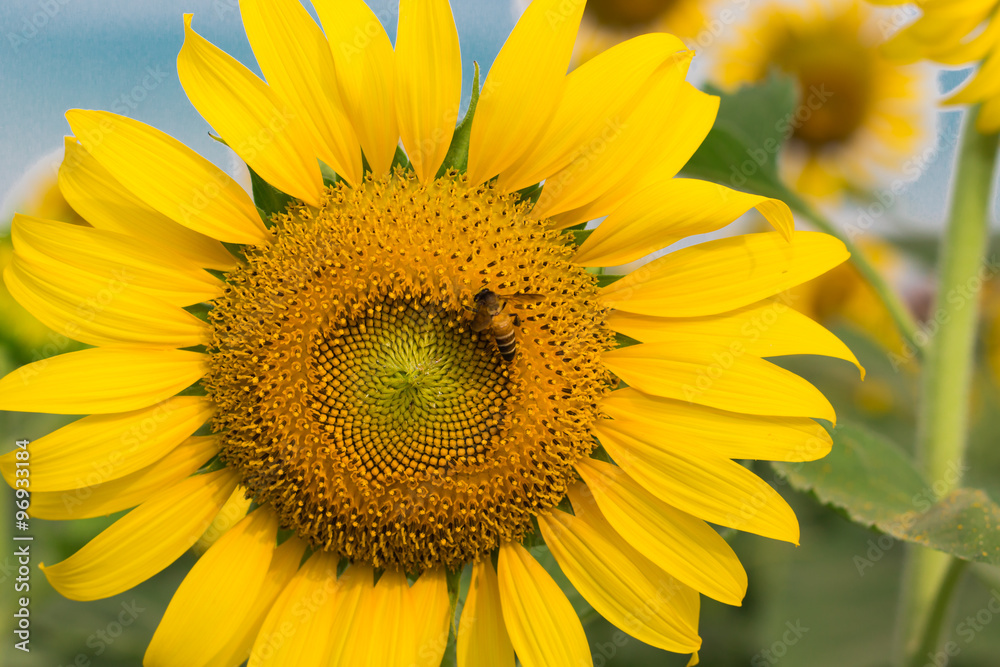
{"x": 869, "y": 477}
{"x": 742, "y": 148}
{"x": 458, "y": 152}
{"x": 269, "y": 199}
{"x": 876, "y": 484}
{"x": 965, "y": 524}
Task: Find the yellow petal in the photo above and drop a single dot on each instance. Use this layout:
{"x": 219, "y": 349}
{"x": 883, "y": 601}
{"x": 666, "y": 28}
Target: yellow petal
{"x": 543, "y": 626}
{"x": 232, "y": 512}
{"x": 169, "y": 177}
{"x": 106, "y": 204}
{"x": 711, "y": 488}
{"x": 430, "y": 608}
{"x": 355, "y": 607}
{"x": 100, "y": 381}
{"x": 482, "y": 637}
{"x": 681, "y": 598}
{"x": 100, "y": 311}
{"x": 392, "y": 637}
{"x": 599, "y": 94}
{"x": 428, "y": 82}
{"x": 101, "y": 448}
{"x": 988, "y": 120}
{"x": 616, "y": 588}
{"x": 403, "y": 626}
{"x": 723, "y": 275}
{"x": 624, "y": 152}
{"x": 295, "y": 58}
{"x": 692, "y": 114}
{"x": 668, "y": 212}
{"x": 682, "y": 545}
{"x": 769, "y": 328}
{"x": 365, "y": 63}
{"x": 284, "y": 565}
{"x": 113, "y": 255}
{"x": 719, "y": 377}
{"x": 725, "y": 434}
{"x": 128, "y": 491}
{"x": 262, "y": 129}
{"x": 143, "y": 542}
{"x": 985, "y": 83}
{"x": 524, "y": 86}
{"x": 215, "y": 597}
{"x": 297, "y": 629}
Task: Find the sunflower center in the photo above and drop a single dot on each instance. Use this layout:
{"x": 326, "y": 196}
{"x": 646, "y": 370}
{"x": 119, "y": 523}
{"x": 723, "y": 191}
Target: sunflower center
{"x": 835, "y": 73}
{"x": 407, "y": 390}
{"x": 361, "y": 392}
{"x": 628, "y": 13}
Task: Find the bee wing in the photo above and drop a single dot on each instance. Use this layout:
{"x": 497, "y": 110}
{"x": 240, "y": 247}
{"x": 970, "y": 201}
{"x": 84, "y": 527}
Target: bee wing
{"x": 524, "y": 299}
{"x": 482, "y": 321}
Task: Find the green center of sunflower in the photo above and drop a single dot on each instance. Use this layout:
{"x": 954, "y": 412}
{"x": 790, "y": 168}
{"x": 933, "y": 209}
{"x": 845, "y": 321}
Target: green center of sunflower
{"x": 357, "y": 396}
{"x": 408, "y": 390}
{"x": 836, "y": 75}
{"x": 628, "y": 13}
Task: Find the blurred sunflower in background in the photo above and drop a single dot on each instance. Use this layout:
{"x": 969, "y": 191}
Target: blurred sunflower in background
{"x": 321, "y": 370}
{"x": 860, "y": 115}
{"x": 609, "y": 22}
{"x": 22, "y": 338}
{"x": 957, "y": 34}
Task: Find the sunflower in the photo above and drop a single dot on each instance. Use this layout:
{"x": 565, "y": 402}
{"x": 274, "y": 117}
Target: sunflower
{"x": 325, "y": 364}
{"x": 23, "y": 338}
{"x": 609, "y": 22}
{"x": 957, "y": 34}
{"x": 859, "y": 115}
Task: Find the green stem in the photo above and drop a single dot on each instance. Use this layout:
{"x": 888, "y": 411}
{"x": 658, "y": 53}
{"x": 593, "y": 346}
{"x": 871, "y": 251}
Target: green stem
{"x": 900, "y": 314}
{"x": 944, "y": 406}
{"x": 933, "y": 630}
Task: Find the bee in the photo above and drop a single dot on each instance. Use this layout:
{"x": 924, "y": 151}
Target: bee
{"x": 490, "y": 316}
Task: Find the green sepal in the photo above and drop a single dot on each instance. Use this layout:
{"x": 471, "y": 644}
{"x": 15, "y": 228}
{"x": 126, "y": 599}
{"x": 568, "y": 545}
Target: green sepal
{"x": 580, "y": 235}
{"x": 214, "y": 465}
{"x": 530, "y": 194}
{"x": 606, "y": 279}
{"x": 624, "y": 341}
{"x": 270, "y": 200}
{"x": 458, "y": 152}
{"x": 401, "y": 160}
{"x": 330, "y": 177}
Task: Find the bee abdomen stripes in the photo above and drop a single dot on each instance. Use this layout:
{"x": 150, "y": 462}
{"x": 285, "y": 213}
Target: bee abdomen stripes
{"x": 506, "y": 344}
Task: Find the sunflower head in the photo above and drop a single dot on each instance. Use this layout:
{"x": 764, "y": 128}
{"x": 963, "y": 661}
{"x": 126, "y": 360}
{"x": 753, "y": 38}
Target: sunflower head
{"x": 356, "y": 399}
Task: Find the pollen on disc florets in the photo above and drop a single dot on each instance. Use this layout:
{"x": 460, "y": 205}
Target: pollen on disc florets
{"x": 354, "y": 398}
